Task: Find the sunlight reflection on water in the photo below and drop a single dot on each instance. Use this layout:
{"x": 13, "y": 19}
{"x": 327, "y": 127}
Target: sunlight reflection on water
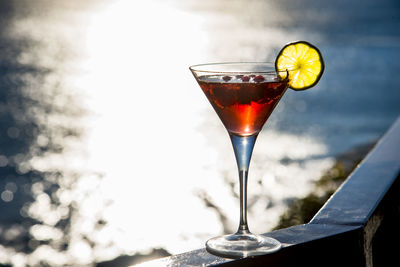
{"x": 149, "y": 148}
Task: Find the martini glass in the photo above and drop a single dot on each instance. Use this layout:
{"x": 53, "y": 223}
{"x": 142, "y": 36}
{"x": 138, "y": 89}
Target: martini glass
{"x": 244, "y": 96}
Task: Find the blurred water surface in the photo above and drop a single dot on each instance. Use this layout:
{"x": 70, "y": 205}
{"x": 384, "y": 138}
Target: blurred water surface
{"x": 108, "y": 147}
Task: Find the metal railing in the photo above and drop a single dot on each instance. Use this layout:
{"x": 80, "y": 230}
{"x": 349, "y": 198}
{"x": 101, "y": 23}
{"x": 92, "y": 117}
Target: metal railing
{"x": 358, "y": 226}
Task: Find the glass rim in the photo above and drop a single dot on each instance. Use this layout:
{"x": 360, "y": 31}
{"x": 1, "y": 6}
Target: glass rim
{"x": 269, "y": 67}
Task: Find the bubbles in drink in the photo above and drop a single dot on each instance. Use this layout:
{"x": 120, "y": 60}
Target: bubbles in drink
{"x": 251, "y": 78}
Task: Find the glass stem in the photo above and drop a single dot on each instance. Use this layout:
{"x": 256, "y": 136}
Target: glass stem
{"x": 243, "y": 147}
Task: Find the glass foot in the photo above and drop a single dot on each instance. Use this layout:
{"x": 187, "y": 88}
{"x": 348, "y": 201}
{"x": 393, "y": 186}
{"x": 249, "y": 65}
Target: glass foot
{"x": 242, "y": 245}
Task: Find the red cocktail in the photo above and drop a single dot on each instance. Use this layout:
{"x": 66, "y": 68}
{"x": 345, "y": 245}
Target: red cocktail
{"x": 243, "y": 102}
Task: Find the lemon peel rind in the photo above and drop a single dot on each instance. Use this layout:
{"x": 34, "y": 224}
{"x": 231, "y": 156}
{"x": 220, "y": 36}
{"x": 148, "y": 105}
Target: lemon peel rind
{"x": 310, "y": 48}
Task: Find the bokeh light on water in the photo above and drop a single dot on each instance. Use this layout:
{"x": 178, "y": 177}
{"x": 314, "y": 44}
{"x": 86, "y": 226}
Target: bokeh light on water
{"x": 108, "y": 146}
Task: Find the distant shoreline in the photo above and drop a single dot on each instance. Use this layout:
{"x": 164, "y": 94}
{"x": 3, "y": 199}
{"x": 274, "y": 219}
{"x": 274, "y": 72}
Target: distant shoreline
{"x": 302, "y": 210}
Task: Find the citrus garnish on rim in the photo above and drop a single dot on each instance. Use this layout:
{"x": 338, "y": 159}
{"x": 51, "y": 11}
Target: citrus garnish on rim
{"x": 303, "y": 62}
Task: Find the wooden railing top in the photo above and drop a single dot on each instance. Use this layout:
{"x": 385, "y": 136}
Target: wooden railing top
{"x": 357, "y": 198}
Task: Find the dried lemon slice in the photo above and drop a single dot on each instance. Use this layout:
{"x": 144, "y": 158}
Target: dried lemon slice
{"x": 304, "y": 63}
